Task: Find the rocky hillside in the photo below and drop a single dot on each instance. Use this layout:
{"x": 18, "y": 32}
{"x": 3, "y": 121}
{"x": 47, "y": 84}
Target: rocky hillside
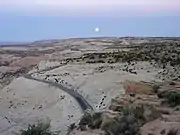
{"x": 91, "y": 86}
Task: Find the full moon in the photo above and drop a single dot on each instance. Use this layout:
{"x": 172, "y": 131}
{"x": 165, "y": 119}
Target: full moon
{"x": 96, "y": 29}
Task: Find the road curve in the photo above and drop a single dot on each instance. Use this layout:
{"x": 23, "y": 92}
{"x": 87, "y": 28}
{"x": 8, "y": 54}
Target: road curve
{"x": 82, "y": 102}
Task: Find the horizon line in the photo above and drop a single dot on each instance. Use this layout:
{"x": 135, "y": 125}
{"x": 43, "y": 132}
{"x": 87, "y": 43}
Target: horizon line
{"x": 90, "y": 37}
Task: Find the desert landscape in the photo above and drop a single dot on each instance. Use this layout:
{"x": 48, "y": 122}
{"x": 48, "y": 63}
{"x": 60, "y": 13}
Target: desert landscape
{"x": 92, "y": 86}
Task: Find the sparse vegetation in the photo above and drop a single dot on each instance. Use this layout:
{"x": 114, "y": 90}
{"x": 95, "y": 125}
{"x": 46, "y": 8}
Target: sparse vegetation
{"x": 172, "y": 83}
{"x": 172, "y": 132}
{"x": 125, "y": 125}
{"x": 140, "y": 114}
{"x": 130, "y": 120}
{"x": 155, "y": 88}
{"x": 163, "y": 131}
{"x": 173, "y": 98}
{"x": 92, "y": 120}
{"x": 159, "y": 54}
{"x": 42, "y": 128}
{"x": 170, "y": 97}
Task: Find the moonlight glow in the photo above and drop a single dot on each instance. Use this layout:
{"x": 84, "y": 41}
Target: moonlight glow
{"x": 96, "y": 29}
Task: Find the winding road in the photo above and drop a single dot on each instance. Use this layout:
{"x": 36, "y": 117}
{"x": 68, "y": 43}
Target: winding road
{"x": 79, "y": 98}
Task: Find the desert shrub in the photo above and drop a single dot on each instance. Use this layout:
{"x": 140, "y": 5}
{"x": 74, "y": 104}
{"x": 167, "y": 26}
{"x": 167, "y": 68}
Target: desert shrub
{"x": 125, "y": 125}
{"x": 161, "y": 94}
{"x": 163, "y": 131}
{"x": 92, "y": 120}
{"x": 155, "y": 88}
{"x": 100, "y": 61}
{"x": 72, "y": 126}
{"x": 42, "y": 128}
{"x": 137, "y": 112}
{"x": 173, "y": 98}
{"x": 172, "y": 132}
{"x": 142, "y": 113}
{"x": 172, "y": 83}
{"x": 128, "y": 122}
{"x": 127, "y": 111}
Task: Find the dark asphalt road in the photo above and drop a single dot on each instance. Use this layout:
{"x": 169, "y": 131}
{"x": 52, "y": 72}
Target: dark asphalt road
{"x": 82, "y": 102}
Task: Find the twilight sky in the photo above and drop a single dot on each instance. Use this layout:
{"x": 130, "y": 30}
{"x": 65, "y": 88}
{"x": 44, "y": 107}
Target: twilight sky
{"x": 28, "y": 20}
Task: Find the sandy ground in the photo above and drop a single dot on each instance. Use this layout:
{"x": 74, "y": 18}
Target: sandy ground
{"x": 99, "y": 83}
{"x": 19, "y": 48}
{"x": 28, "y": 61}
{"x": 25, "y": 102}
{"x": 7, "y": 69}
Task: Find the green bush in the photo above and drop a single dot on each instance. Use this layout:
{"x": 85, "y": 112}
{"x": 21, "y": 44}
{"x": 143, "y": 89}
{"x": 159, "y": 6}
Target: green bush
{"x": 127, "y": 111}
{"x": 130, "y": 119}
{"x": 42, "y": 128}
{"x": 138, "y": 112}
{"x": 173, "y": 98}
{"x": 92, "y": 120}
{"x": 125, "y": 125}
{"x": 128, "y": 122}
